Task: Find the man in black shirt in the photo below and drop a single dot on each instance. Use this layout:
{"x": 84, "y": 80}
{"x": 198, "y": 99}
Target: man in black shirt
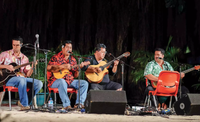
{"x": 95, "y": 59}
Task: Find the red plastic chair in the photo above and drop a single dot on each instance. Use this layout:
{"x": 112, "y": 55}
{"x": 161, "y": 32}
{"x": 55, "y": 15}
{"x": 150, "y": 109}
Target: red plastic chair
{"x": 10, "y": 89}
{"x": 55, "y": 90}
{"x": 168, "y": 84}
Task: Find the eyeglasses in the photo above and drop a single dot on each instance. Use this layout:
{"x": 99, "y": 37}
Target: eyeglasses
{"x": 103, "y": 52}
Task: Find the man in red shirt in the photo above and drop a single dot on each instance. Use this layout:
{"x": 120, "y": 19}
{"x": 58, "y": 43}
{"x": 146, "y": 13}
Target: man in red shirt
{"x": 57, "y": 64}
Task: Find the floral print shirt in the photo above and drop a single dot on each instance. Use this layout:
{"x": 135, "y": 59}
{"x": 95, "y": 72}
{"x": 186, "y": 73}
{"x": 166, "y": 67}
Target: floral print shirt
{"x": 59, "y": 59}
{"x": 8, "y": 57}
{"x": 154, "y": 68}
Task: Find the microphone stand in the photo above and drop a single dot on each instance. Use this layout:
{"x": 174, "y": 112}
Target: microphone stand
{"x": 79, "y": 69}
{"x": 37, "y": 37}
{"x": 180, "y": 81}
{"x": 45, "y": 79}
{"x": 34, "y": 74}
{"x": 122, "y": 64}
{"x": 45, "y": 52}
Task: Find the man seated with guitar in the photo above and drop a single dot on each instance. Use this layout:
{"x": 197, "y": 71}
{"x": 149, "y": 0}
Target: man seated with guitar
{"x": 99, "y": 75}
{"x": 12, "y": 76}
{"x": 61, "y": 70}
{"x": 152, "y": 71}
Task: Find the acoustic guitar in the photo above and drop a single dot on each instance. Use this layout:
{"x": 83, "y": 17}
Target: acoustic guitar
{"x": 64, "y": 72}
{"x": 6, "y": 74}
{"x": 98, "y": 77}
{"x": 154, "y": 83}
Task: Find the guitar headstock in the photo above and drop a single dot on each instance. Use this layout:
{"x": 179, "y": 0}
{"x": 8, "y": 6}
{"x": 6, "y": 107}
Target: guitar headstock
{"x": 126, "y": 54}
{"x": 197, "y": 67}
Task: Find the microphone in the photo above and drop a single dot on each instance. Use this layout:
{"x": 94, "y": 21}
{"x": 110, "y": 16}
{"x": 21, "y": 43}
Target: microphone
{"x": 37, "y": 40}
{"x": 25, "y": 45}
{"x": 69, "y": 52}
{"x": 164, "y": 62}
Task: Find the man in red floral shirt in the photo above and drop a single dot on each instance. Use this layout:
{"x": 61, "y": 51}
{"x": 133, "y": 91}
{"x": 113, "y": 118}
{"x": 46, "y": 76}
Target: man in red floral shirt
{"x": 57, "y": 77}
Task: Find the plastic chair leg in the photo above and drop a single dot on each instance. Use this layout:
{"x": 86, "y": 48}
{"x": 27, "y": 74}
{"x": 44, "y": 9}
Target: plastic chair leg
{"x": 2, "y": 96}
{"x": 48, "y": 98}
{"x": 176, "y": 98}
{"x": 148, "y": 102}
{"x": 154, "y": 98}
{"x": 170, "y": 102}
{"x": 55, "y": 100}
{"x": 145, "y": 102}
{"x": 9, "y": 94}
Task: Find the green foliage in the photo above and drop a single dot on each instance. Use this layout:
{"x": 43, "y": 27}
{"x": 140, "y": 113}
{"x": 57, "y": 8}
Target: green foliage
{"x": 141, "y": 58}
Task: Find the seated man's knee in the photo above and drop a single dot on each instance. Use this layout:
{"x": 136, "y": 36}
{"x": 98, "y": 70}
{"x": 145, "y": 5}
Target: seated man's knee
{"x": 22, "y": 81}
{"x": 62, "y": 82}
{"x": 94, "y": 87}
{"x": 40, "y": 84}
{"x": 84, "y": 83}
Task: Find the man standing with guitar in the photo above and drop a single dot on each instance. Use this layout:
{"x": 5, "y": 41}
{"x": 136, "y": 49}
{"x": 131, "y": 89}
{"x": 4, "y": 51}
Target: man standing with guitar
{"x": 61, "y": 70}
{"x": 19, "y": 78}
{"x": 99, "y": 71}
{"x": 153, "y": 69}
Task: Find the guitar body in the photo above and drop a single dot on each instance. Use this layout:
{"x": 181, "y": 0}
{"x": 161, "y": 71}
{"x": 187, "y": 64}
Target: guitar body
{"x": 64, "y": 72}
{"x": 97, "y": 78}
{"x": 61, "y": 74}
{"x": 5, "y": 74}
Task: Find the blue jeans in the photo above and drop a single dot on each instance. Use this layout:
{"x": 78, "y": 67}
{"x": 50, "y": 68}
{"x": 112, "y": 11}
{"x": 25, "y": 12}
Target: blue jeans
{"x": 62, "y": 86}
{"x": 22, "y": 83}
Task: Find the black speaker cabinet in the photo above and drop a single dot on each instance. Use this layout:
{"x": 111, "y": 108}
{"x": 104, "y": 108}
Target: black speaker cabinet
{"x": 106, "y": 102}
{"x": 188, "y": 105}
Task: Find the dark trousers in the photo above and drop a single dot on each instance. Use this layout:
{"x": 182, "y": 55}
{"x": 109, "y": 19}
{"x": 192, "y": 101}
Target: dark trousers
{"x": 108, "y": 86}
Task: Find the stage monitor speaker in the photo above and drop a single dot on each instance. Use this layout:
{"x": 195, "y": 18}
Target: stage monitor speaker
{"x": 188, "y": 105}
{"x": 106, "y": 102}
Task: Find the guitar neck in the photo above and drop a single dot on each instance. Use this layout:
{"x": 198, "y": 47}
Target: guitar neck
{"x": 109, "y": 63}
{"x": 189, "y": 70}
{"x": 17, "y": 67}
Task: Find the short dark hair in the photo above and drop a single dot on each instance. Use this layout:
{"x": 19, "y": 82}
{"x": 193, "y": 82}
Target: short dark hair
{"x": 99, "y": 46}
{"x": 161, "y": 50}
{"x": 18, "y": 38}
{"x": 66, "y": 42}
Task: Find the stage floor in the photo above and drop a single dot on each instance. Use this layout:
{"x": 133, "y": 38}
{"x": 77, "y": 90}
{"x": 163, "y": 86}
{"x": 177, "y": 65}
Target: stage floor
{"x": 37, "y": 116}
